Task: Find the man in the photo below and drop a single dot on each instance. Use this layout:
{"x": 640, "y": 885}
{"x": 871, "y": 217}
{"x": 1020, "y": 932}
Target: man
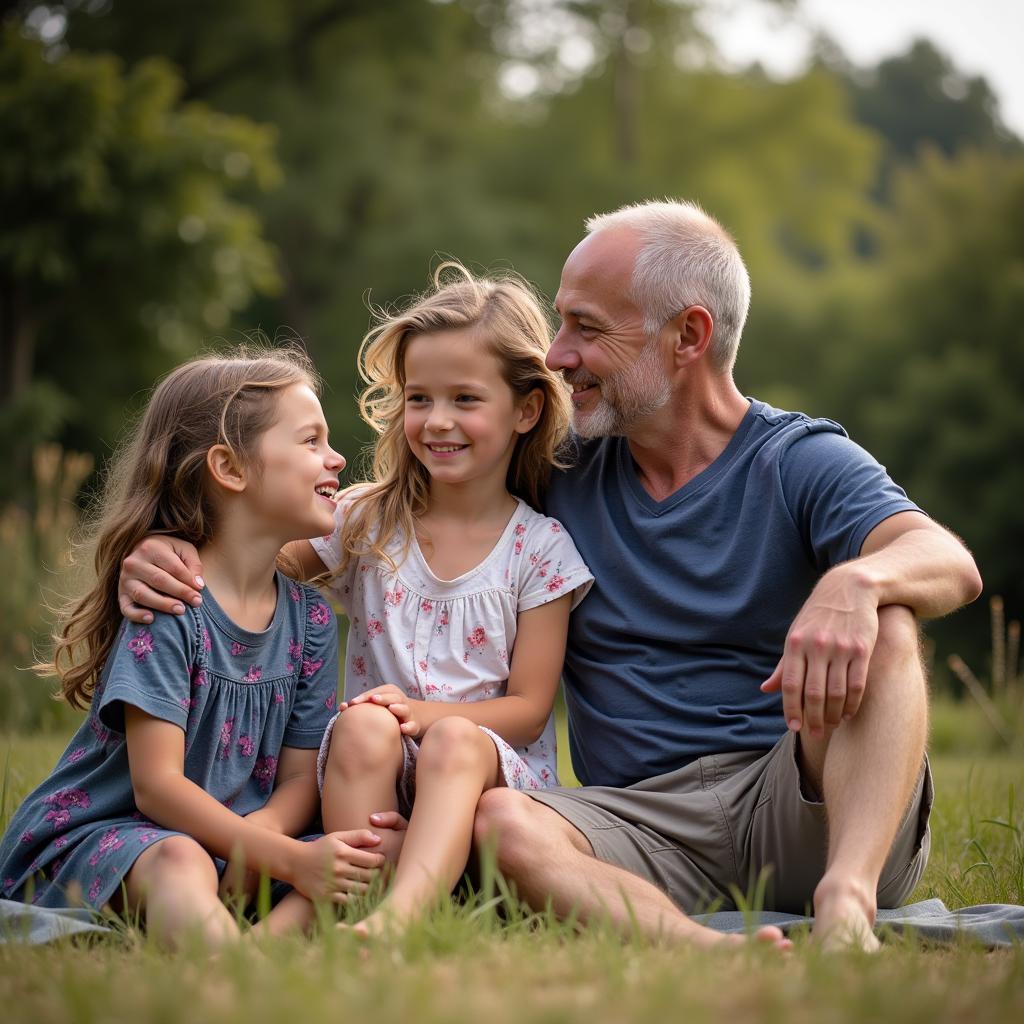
{"x": 732, "y": 545}
{"x": 739, "y": 551}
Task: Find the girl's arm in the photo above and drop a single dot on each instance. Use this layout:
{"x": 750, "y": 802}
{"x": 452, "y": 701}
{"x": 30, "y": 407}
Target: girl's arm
{"x": 295, "y": 799}
{"x": 329, "y": 868}
{"x": 520, "y": 716}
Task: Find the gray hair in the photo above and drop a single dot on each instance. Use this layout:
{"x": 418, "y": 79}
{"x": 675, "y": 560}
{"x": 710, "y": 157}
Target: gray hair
{"x": 686, "y": 258}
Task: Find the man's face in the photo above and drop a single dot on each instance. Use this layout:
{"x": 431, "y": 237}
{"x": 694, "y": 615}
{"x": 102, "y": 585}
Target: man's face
{"x": 616, "y": 371}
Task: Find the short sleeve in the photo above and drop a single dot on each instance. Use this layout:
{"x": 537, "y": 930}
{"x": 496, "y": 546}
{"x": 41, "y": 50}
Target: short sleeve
{"x": 837, "y": 494}
{"x": 550, "y": 566}
{"x": 316, "y": 694}
{"x": 149, "y": 667}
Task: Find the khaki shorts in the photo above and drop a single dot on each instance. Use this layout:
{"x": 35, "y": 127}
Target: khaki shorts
{"x": 710, "y": 828}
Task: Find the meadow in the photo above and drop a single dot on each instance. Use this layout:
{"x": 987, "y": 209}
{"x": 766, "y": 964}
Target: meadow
{"x": 487, "y": 958}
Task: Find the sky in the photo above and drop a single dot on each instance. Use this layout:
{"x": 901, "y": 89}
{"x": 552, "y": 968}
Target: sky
{"x": 983, "y": 37}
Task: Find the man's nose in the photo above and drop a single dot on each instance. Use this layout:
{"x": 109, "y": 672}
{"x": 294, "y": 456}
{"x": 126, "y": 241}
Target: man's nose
{"x": 561, "y": 355}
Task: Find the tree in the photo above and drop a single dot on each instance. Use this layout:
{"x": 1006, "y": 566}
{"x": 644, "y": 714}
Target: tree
{"x": 126, "y": 237}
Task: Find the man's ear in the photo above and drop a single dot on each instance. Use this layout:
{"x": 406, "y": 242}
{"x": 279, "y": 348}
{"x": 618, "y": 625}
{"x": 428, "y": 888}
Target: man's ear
{"x": 692, "y": 330}
{"x": 224, "y": 469}
{"x": 530, "y": 409}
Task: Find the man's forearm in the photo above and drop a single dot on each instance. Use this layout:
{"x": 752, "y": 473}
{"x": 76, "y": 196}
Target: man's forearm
{"x": 926, "y": 569}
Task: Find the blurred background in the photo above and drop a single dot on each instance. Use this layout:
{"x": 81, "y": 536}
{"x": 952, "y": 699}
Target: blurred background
{"x": 176, "y": 174}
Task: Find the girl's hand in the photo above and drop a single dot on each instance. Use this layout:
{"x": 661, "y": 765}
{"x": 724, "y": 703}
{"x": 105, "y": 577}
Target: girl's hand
{"x": 336, "y": 865}
{"x": 392, "y": 698}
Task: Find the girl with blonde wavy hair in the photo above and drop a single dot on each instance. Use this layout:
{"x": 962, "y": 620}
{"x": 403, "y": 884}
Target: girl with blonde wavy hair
{"x": 201, "y": 737}
{"x": 458, "y": 592}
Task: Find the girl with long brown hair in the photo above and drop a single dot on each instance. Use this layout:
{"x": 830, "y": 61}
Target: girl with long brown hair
{"x": 201, "y": 735}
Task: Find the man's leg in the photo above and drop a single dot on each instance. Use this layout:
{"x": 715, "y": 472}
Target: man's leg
{"x": 549, "y": 859}
{"x": 866, "y": 772}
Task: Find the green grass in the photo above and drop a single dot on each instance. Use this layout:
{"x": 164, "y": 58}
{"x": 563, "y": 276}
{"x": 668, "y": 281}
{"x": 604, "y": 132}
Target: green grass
{"x": 464, "y": 964}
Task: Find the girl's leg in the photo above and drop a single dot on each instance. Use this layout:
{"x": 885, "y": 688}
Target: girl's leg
{"x": 174, "y": 883}
{"x": 457, "y": 761}
{"x": 363, "y": 763}
{"x": 294, "y": 915}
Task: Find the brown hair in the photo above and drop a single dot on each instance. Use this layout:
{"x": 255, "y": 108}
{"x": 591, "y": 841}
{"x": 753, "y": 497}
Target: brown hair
{"x": 156, "y": 483}
{"x": 507, "y": 319}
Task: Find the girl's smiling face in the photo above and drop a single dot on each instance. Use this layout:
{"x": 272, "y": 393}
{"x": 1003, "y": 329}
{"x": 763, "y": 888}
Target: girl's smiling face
{"x": 298, "y": 470}
{"x": 462, "y": 419}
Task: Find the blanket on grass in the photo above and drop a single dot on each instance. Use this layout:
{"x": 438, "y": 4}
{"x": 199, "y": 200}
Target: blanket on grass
{"x": 989, "y": 924}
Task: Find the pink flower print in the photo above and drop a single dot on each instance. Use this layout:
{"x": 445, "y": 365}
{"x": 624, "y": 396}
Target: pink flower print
{"x": 319, "y": 614}
{"x": 293, "y": 592}
{"x": 94, "y": 889}
{"x": 278, "y": 698}
{"x": 374, "y": 628}
{"x": 359, "y": 665}
{"x": 58, "y": 819}
{"x": 207, "y": 643}
{"x": 246, "y": 746}
{"x": 60, "y": 804}
{"x": 110, "y": 840}
{"x": 556, "y": 528}
{"x": 76, "y": 755}
{"x": 237, "y": 649}
{"x": 8, "y": 884}
{"x": 294, "y": 648}
{"x": 331, "y": 701}
{"x": 443, "y": 618}
{"x": 555, "y": 583}
{"x": 309, "y": 666}
{"x": 198, "y": 677}
{"x": 186, "y": 704}
{"x": 477, "y": 638}
{"x": 542, "y": 569}
{"x": 60, "y": 842}
{"x": 394, "y": 597}
{"x": 141, "y": 645}
{"x": 520, "y": 532}
{"x": 264, "y": 772}
{"x": 426, "y": 606}
{"x": 422, "y": 665}
{"x": 145, "y": 834}
{"x": 254, "y": 675}
{"x": 225, "y": 737}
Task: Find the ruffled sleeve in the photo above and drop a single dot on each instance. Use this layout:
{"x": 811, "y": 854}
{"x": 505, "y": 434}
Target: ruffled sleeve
{"x": 550, "y": 566}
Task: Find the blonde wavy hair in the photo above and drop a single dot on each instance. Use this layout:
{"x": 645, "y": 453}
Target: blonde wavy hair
{"x": 507, "y": 319}
{"x": 157, "y": 483}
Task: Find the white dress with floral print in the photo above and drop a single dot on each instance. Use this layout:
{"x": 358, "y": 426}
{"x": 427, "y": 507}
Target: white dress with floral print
{"x": 451, "y": 640}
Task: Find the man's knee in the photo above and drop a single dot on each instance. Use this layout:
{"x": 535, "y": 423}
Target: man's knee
{"x": 520, "y": 830}
{"x": 899, "y": 638}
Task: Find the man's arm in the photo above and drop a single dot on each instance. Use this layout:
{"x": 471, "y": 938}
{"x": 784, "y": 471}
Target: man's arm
{"x": 164, "y": 573}
{"x": 907, "y": 560}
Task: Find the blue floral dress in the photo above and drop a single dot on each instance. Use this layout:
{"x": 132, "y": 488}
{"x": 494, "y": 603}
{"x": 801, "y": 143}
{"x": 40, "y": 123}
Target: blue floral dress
{"x": 238, "y": 696}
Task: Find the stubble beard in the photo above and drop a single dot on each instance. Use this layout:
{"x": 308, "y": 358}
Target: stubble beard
{"x": 626, "y": 397}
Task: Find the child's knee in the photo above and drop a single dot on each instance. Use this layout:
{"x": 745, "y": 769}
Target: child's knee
{"x": 174, "y": 858}
{"x": 365, "y": 737}
{"x": 453, "y": 744}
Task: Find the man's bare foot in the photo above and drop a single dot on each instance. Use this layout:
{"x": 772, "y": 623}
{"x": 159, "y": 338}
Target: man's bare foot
{"x": 768, "y": 935}
{"x": 844, "y": 918}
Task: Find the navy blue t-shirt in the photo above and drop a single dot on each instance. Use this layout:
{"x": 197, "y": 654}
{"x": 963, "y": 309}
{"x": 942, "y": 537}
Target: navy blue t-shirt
{"x": 694, "y": 595}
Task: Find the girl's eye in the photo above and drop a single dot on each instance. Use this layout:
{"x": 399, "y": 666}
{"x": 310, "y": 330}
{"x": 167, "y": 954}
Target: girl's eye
{"x": 465, "y": 398}
{"x": 413, "y": 399}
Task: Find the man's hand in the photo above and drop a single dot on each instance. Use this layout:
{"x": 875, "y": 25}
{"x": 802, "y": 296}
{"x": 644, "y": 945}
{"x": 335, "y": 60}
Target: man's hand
{"x": 824, "y": 667}
{"x": 162, "y": 574}
{"x": 392, "y": 698}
